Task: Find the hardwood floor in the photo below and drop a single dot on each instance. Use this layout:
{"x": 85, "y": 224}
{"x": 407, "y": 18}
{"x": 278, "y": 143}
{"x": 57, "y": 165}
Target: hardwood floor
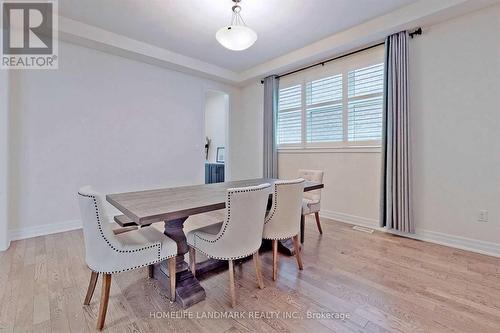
{"x": 384, "y": 283}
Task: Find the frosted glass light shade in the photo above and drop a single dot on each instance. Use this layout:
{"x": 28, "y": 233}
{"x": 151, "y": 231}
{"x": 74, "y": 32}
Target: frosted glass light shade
{"x": 236, "y": 37}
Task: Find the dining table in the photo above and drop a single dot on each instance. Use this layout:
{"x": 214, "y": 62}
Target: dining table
{"x": 173, "y": 206}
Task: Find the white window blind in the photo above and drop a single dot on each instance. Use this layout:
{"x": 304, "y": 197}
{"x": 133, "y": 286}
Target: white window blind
{"x": 365, "y": 103}
{"x": 343, "y": 106}
{"x": 324, "y": 109}
{"x": 289, "y": 127}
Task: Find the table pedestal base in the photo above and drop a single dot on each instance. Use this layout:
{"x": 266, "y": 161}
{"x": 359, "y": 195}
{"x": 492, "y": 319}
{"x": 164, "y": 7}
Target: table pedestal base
{"x": 188, "y": 290}
{"x": 285, "y": 246}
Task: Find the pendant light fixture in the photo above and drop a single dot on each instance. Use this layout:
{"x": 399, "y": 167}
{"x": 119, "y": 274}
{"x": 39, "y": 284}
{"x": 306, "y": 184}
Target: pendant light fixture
{"x": 236, "y": 36}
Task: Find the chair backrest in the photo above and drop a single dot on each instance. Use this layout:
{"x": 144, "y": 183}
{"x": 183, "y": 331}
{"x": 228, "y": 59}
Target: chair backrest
{"x": 97, "y": 232}
{"x": 283, "y": 220}
{"x": 314, "y": 176}
{"x": 241, "y": 232}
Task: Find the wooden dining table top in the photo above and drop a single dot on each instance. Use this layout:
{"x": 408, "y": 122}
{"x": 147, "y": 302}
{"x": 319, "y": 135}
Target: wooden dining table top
{"x": 164, "y": 204}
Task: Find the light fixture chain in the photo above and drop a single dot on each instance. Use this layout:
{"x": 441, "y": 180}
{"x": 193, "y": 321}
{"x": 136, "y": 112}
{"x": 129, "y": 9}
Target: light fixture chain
{"x": 242, "y": 22}
{"x": 234, "y": 18}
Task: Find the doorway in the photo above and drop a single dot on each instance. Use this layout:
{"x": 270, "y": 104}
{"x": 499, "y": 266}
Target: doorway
{"x": 216, "y": 134}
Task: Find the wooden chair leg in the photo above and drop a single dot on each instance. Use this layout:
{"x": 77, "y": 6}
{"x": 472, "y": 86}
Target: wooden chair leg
{"x": 318, "y": 223}
{"x": 172, "y": 277}
{"x": 275, "y": 259}
{"x": 256, "y": 261}
{"x": 192, "y": 260}
{"x": 151, "y": 271}
{"x": 296, "y": 247}
{"x": 91, "y": 288}
{"x": 103, "y": 307}
{"x": 232, "y": 290}
{"x": 302, "y": 228}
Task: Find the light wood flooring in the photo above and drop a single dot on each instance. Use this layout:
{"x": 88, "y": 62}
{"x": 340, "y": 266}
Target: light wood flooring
{"x": 383, "y": 282}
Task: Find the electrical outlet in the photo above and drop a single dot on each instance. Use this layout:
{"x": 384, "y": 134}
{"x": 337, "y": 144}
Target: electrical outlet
{"x": 483, "y": 216}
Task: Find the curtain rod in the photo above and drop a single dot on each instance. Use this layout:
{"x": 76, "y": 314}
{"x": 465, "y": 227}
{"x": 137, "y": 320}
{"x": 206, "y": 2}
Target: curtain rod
{"x": 417, "y": 31}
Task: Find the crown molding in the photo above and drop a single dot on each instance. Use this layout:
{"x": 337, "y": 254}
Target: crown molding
{"x": 93, "y": 37}
{"x": 422, "y": 13}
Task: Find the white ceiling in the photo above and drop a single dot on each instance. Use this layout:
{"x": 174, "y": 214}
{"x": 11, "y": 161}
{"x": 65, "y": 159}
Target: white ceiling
{"x": 188, "y": 27}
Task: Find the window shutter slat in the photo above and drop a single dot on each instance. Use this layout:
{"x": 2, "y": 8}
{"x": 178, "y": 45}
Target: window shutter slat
{"x": 368, "y": 80}
{"x": 365, "y": 119}
{"x": 290, "y": 98}
{"x": 324, "y": 90}
{"x": 365, "y": 112}
{"x": 324, "y": 123}
{"x": 289, "y": 126}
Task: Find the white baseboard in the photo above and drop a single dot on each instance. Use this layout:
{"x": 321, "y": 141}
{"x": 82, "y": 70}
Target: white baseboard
{"x": 458, "y": 242}
{"x": 42, "y": 230}
{"x": 47, "y": 229}
{"x": 351, "y": 219}
{"x": 5, "y": 246}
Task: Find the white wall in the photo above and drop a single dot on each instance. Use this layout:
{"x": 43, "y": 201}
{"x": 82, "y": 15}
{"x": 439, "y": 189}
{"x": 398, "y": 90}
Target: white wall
{"x": 455, "y": 94}
{"x": 352, "y": 180}
{"x": 103, "y": 120}
{"x": 215, "y": 122}
{"x": 246, "y": 139}
{"x": 4, "y": 151}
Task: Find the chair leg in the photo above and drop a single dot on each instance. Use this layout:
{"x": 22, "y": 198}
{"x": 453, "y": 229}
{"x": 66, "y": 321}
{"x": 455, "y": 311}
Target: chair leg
{"x": 232, "y": 290}
{"x": 275, "y": 259}
{"x": 103, "y": 307}
{"x": 302, "y": 228}
{"x": 318, "y": 223}
{"x": 172, "y": 277}
{"x": 256, "y": 261}
{"x": 296, "y": 247}
{"x": 192, "y": 260}
{"x": 151, "y": 270}
{"x": 91, "y": 288}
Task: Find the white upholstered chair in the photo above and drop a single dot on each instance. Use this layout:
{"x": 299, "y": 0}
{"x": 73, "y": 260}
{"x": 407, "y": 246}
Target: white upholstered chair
{"x": 283, "y": 219}
{"x": 108, "y": 253}
{"x": 311, "y": 203}
{"x": 239, "y": 236}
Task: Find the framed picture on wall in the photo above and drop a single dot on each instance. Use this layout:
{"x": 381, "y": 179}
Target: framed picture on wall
{"x": 220, "y": 155}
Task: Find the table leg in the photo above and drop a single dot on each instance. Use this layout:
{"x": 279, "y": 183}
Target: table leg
{"x": 188, "y": 290}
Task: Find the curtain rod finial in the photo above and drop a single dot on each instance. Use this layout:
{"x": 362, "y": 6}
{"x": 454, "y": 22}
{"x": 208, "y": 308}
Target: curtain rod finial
{"x": 417, "y": 31}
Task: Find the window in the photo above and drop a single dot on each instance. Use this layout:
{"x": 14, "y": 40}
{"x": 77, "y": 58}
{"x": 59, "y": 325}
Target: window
{"x": 338, "y": 106}
{"x": 324, "y": 109}
{"x": 289, "y": 115}
{"x": 365, "y": 103}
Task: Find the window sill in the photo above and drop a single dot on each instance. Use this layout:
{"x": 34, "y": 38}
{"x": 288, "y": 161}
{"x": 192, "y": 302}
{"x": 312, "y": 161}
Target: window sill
{"x": 319, "y": 150}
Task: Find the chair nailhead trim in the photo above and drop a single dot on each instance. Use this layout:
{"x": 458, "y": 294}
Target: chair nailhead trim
{"x": 228, "y": 205}
{"x": 275, "y": 198}
{"x": 279, "y": 238}
{"x": 99, "y": 225}
{"x": 225, "y": 224}
{"x": 136, "y": 267}
{"x": 223, "y": 258}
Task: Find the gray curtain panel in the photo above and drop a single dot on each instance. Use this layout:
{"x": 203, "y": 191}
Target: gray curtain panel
{"x": 395, "y": 181}
{"x": 271, "y": 91}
